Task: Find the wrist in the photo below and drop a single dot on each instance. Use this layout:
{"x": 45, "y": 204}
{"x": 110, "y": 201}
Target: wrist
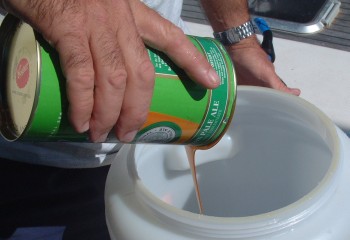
{"x": 235, "y": 34}
{"x": 249, "y": 42}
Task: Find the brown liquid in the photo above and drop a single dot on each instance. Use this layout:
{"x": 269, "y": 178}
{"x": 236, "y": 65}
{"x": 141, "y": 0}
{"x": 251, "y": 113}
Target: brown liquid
{"x": 191, "y": 151}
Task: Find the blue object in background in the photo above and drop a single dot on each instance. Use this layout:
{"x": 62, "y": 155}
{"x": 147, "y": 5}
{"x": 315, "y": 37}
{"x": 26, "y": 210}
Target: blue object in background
{"x": 267, "y": 43}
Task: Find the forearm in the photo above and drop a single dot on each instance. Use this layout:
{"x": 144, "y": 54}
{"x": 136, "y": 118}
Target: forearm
{"x": 252, "y": 65}
{"x": 225, "y": 14}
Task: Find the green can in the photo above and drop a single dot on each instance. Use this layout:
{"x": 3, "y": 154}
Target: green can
{"x": 34, "y": 103}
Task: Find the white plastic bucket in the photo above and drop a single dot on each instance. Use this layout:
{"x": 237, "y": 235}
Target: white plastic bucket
{"x": 278, "y": 173}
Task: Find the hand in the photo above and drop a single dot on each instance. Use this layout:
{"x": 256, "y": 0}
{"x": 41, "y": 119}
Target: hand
{"x": 109, "y": 75}
{"x": 254, "y": 68}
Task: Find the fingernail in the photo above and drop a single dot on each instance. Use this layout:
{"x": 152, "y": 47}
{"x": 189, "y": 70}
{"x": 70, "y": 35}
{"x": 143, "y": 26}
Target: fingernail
{"x": 85, "y": 127}
{"x": 129, "y": 137}
{"x": 214, "y": 77}
{"x": 296, "y": 91}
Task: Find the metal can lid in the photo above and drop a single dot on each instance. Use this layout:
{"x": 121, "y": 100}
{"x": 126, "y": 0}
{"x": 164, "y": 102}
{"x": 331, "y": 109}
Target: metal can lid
{"x": 20, "y": 75}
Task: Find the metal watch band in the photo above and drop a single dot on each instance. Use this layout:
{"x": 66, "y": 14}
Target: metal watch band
{"x": 236, "y": 34}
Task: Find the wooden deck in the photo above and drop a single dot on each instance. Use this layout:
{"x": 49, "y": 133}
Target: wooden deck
{"x": 337, "y": 35}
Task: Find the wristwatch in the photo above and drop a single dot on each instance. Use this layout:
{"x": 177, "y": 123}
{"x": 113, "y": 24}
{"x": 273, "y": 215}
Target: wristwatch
{"x": 235, "y": 34}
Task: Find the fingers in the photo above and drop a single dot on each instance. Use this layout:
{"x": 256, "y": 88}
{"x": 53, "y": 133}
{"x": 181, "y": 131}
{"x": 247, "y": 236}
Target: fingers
{"x": 253, "y": 67}
{"x": 284, "y": 88}
{"x": 124, "y": 75}
{"x": 77, "y": 65}
{"x": 140, "y": 82}
{"x": 72, "y": 44}
{"x": 272, "y": 80}
{"x": 187, "y": 57}
{"x": 166, "y": 37}
{"x": 280, "y": 85}
{"x": 110, "y": 76}
{"x": 64, "y": 25}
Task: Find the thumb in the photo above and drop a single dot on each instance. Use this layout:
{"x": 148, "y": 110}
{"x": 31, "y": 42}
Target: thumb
{"x": 282, "y": 86}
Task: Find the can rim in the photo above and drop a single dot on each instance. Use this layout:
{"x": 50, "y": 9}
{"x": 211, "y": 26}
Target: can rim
{"x": 8, "y": 29}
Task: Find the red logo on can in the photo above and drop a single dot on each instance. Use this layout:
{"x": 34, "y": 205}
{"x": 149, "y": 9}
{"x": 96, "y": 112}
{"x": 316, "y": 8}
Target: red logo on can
{"x": 22, "y": 73}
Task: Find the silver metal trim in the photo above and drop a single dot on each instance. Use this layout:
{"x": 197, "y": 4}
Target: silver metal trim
{"x": 323, "y": 19}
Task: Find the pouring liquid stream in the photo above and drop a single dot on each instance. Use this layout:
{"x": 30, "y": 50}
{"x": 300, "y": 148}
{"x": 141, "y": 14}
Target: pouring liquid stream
{"x": 191, "y": 151}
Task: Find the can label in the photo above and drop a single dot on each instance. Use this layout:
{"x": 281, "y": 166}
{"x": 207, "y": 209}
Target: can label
{"x": 191, "y": 114}
{"x": 181, "y": 111}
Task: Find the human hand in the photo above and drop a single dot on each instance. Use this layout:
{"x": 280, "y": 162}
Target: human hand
{"x": 109, "y": 75}
{"x": 254, "y": 68}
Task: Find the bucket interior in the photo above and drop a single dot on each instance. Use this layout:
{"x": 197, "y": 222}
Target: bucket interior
{"x": 276, "y": 151}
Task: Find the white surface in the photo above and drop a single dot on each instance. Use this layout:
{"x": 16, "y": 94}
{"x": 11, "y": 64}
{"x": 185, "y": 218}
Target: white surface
{"x": 272, "y": 146}
{"x": 285, "y": 155}
{"x": 322, "y": 74}
{"x": 127, "y": 217}
{"x": 288, "y": 180}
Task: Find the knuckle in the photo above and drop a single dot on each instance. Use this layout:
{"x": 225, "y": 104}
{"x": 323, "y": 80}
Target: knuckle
{"x": 139, "y": 115}
{"x": 117, "y": 79}
{"x": 140, "y": 118}
{"x": 134, "y": 117}
{"x": 82, "y": 81}
{"x": 100, "y": 15}
{"x": 147, "y": 72}
{"x": 133, "y": 120}
{"x": 176, "y": 38}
